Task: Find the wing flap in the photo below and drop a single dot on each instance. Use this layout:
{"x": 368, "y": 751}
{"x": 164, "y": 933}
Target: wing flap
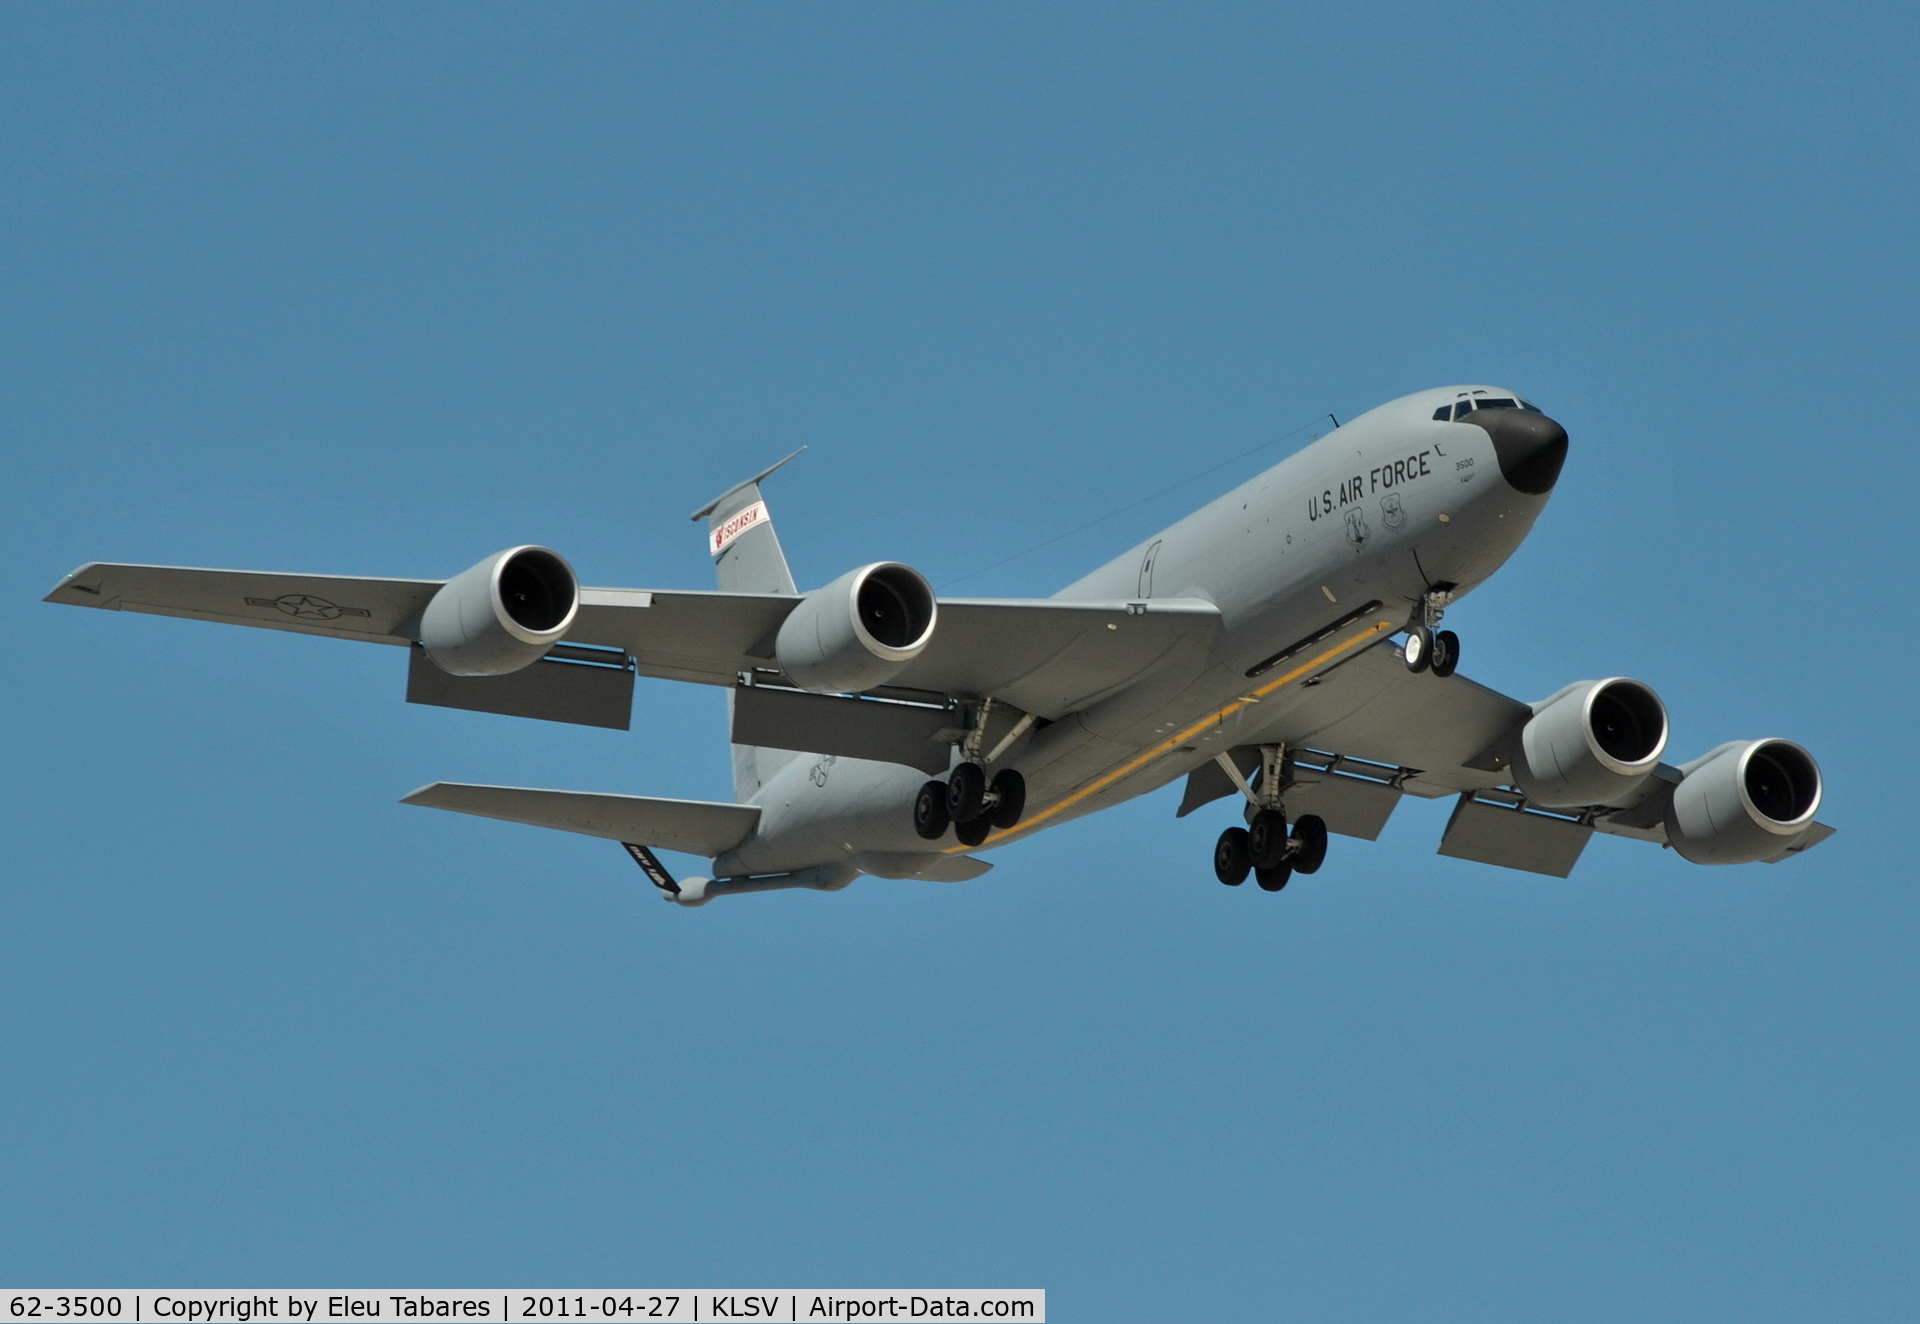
{"x": 910, "y": 734}
{"x": 584, "y": 694}
{"x": 696, "y": 827}
{"x": 1351, "y": 806}
{"x": 1514, "y": 838}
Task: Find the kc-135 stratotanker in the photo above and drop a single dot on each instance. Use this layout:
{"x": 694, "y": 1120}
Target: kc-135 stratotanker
{"x": 1279, "y": 646}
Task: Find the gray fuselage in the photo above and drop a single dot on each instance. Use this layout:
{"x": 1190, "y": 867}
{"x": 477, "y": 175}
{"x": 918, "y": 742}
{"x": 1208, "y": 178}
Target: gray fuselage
{"x": 1382, "y": 510}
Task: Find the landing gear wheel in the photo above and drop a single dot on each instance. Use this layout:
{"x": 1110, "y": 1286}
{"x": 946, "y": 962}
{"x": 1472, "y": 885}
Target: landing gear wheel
{"x": 1009, "y": 798}
{"x": 1418, "y": 650}
{"x": 974, "y": 832}
{"x": 1446, "y": 653}
{"x": 1267, "y": 839}
{"x": 1272, "y": 880}
{"x": 1231, "y": 864}
{"x": 966, "y": 792}
{"x": 1310, "y": 836}
{"x": 930, "y": 811}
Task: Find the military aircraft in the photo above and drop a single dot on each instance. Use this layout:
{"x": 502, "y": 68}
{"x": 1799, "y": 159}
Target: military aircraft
{"x": 1279, "y": 645}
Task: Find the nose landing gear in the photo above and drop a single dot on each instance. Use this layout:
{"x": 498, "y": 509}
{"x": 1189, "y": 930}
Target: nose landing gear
{"x": 1427, "y": 649}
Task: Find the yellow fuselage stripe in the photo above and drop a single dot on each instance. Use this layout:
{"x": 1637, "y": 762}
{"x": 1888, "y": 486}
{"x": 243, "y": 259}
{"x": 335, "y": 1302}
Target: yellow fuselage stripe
{"x": 1142, "y": 759}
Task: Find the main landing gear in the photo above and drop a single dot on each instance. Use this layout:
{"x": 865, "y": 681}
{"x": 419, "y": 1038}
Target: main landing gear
{"x": 1427, "y": 649}
{"x": 1265, "y": 847}
{"x": 1268, "y": 851}
{"x": 969, "y": 802}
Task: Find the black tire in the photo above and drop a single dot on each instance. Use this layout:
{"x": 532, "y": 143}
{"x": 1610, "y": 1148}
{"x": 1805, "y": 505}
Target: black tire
{"x": 1267, "y": 839}
{"x": 1231, "y": 863}
{"x": 966, "y": 792}
{"x": 1446, "y": 653}
{"x": 1310, "y": 830}
{"x": 1417, "y": 652}
{"x": 930, "y": 811}
{"x": 1010, "y": 798}
{"x": 1272, "y": 880}
{"x": 974, "y": 832}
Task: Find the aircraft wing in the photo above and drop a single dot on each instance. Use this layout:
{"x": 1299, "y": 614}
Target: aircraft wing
{"x": 683, "y": 636}
{"x": 381, "y": 611}
{"x": 1052, "y": 657}
{"x": 705, "y": 637}
{"x": 1386, "y": 729}
{"x": 1371, "y": 707}
{"x": 1045, "y": 656}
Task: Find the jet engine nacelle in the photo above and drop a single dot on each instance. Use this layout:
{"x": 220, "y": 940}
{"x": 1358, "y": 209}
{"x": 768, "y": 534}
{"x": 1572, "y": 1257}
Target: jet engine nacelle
{"x": 1593, "y": 743}
{"x": 502, "y": 615}
{"x": 1745, "y": 801}
{"x": 858, "y": 631}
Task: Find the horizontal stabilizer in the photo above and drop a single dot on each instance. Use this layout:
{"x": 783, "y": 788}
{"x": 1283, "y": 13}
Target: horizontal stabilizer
{"x": 929, "y": 867}
{"x": 696, "y": 827}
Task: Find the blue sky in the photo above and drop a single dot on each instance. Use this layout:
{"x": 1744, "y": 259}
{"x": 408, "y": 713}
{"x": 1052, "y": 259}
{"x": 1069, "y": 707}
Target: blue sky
{"x": 375, "y": 290}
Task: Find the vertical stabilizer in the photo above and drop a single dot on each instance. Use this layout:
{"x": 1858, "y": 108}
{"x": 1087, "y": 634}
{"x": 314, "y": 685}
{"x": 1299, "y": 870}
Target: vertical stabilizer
{"x": 747, "y": 558}
{"x": 740, "y": 538}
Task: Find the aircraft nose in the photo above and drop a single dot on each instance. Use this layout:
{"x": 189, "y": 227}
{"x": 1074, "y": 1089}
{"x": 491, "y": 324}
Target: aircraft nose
{"x": 1530, "y": 447}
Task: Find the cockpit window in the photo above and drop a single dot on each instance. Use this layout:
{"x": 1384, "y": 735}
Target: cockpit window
{"x": 1467, "y": 404}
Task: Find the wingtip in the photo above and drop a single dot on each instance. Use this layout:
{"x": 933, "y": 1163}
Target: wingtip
{"x": 69, "y": 586}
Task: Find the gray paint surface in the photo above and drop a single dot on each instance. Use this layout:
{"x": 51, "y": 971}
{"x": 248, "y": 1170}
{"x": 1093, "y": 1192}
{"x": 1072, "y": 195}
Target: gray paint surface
{"x": 549, "y": 691}
{"x": 1514, "y": 839}
{"x": 1265, "y": 617}
{"x": 698, "y": 827}
{"x": 851, "y": 728}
